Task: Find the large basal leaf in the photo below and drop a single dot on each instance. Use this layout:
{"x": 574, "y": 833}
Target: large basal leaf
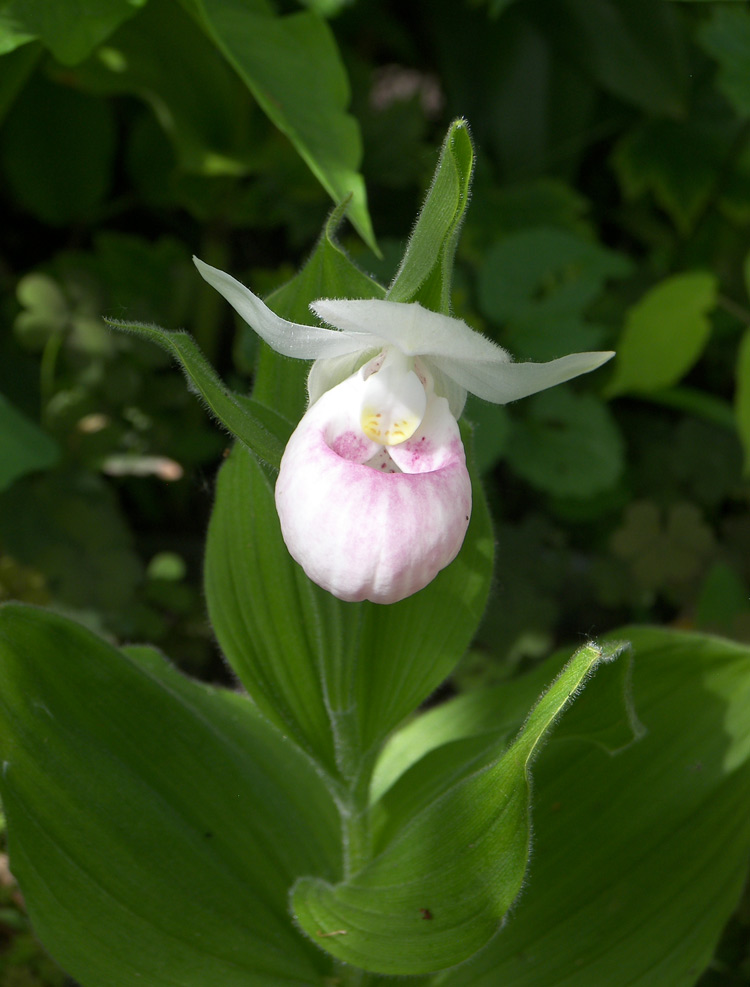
{"x": 639, "y": 858}
{"x": 263, "y": 609}
{"x": 425, "y": 272}
{"x": 604, "y": 715}
{"x": 664, "y": 334}
{"x": 336, "y": 676}
{"x": 438, "y": 890}
{"x": 70, "y": 29}
{"x": 293, "y": 69}
{"x": 24, "y": 447}
{"x": 154, "y": 824}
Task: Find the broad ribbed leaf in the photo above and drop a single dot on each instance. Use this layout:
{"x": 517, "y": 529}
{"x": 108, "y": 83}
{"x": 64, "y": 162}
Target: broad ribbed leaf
{"x": 154, "y": 824}
{"x": 640, "y": 858}
{"x": 265, "y": 612}
{"x": 438, "y": 890}
{"x": 603, "y": 715}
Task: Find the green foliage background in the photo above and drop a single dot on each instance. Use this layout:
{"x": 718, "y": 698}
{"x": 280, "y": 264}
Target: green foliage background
{"x": 610, "y": 209}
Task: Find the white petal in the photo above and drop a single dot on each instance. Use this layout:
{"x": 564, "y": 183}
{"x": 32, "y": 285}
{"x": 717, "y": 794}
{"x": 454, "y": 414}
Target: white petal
{"x": 501, "y": 382}
{"x": 413, "y": 329}
{"x": 288, "y": 338}
{"x": 327, "y": 373}
{"x": 366, "y": 533}
{"x": 435, "y": 443}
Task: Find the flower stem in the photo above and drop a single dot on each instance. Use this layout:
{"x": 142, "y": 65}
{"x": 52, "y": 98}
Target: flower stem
{"x": 356, "y": 837}
{"x": 47, "y": 369}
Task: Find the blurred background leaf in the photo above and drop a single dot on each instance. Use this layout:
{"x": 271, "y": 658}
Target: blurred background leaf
{"x": 69, "y": 32}
{"x": 24, "y": 447}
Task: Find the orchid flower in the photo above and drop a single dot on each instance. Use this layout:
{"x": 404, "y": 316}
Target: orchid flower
{"x": 373, "y": 493}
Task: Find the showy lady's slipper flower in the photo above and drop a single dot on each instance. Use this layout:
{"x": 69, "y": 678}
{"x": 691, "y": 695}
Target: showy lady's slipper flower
{"x": 373, "y": 493}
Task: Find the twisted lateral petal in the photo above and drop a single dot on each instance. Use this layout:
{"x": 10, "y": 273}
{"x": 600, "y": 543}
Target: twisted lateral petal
{"x": 371, "y": 531}
{"x": 287, "y": 338}
{"x": 501, "y": 382}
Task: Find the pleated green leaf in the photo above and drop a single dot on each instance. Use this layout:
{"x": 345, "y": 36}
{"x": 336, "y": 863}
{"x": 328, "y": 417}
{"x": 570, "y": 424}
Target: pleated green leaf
{"x": 264, "y": 611}
{"x": 603, "y": 714}
{"x": 154, "y": 824}
{"x": 639, "y": 859}
{"x": 336, "y": 676}
{"x": 438, "y": 890}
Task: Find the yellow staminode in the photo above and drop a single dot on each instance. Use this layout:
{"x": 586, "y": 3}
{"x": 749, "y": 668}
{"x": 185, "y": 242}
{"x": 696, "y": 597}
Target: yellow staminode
{"x": 393, "y": 401}
{"x": 388, "y": 432}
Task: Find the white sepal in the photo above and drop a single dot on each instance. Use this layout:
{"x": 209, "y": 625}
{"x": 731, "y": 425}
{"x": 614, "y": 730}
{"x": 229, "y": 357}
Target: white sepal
{"x": 288, "y": 338}
{"x": 414, "y": 330}
{"x": 327, "y": 373}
